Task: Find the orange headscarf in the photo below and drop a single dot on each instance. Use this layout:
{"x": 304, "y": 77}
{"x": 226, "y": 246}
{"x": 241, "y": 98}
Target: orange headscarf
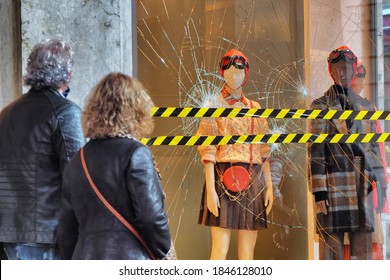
{"x": 231, "y": 53}
{"x": 354, "y": 64}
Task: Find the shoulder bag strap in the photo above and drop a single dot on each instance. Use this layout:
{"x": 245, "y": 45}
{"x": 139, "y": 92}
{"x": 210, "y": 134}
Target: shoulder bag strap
{"x": 112, "y": 209}
{"x": 251, "y": 145}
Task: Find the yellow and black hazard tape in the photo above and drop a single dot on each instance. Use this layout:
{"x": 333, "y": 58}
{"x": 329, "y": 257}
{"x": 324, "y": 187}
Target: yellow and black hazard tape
{"x": 187, "y": 112}
{"x": 266, "y": 139}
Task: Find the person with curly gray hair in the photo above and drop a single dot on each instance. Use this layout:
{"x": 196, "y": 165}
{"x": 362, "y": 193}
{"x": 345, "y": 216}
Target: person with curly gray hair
{"x": 39, "y": 132}
{"x": 50, "y": 65}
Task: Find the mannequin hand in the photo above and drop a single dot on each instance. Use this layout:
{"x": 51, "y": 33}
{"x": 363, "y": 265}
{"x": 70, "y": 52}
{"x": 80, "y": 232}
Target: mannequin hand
{"x": 213, "y": 202}
{"x": 212, "y": 199}
{"x": 381, "y": 205}
{"x": 322, "y": 206}
{"x": 268, "y": 198}
{"x": 381, "y": 199}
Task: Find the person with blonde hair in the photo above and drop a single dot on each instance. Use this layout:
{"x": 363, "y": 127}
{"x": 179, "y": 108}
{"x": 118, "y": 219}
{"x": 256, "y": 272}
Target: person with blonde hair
{"x": 121, "y": 168}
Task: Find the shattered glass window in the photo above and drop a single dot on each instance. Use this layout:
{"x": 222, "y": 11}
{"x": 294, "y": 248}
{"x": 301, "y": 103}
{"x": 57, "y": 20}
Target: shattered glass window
{"x": 180, "y": 44}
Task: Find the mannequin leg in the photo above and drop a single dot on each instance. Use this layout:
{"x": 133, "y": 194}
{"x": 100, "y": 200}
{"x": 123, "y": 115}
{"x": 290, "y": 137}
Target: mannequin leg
{"x": 331, "y": 246}
{"x": 246, "y": 244}
{"x": 361, "y": 245}
{"x": 220, "y": 239}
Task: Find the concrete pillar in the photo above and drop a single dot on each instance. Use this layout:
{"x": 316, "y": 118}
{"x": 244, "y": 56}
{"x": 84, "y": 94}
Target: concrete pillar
{"x": 10, "y": 70}
{"x": 101, "y": 33}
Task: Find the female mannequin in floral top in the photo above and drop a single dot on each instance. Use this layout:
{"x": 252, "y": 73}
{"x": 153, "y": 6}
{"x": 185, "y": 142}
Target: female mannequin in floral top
{"x": 223, "y": 210}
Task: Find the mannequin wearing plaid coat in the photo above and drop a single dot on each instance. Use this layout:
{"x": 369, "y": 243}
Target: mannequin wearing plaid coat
{"x": 342, "y": 173}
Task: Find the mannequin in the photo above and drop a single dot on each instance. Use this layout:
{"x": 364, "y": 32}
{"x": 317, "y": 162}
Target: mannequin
{"x": 341, "y": 175}
{"x": 245, "y": 211}
{"x": 362, "y": 103}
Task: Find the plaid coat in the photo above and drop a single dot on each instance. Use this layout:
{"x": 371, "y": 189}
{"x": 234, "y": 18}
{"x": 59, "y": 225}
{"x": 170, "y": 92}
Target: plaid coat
{"x": 341, "y": 173}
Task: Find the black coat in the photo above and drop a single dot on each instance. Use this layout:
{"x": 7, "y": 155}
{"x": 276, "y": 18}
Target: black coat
{"x": 123, "y": 170}
{"x": 39, "y": 133}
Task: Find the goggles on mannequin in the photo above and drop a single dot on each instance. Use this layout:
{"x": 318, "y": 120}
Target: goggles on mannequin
{"x": 237, "y": 61}
{"x": 336, "y": 55}
{"x": 361, "y": 71}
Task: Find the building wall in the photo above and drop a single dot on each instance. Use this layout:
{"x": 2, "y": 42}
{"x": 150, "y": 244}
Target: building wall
{"x": 100, "y": 32}
{"x": 10, "y": 51}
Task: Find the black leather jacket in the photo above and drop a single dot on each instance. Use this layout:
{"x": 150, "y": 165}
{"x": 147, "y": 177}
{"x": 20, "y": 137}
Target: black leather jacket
{"x": 39, "y": 133}
{"x": 123, "y": 170}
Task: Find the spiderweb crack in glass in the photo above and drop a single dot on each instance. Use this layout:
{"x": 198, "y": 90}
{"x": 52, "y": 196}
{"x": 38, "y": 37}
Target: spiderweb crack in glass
{"x": 179, "y": 46}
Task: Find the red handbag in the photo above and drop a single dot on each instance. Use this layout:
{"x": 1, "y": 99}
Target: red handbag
{"x": 236, "y": 178}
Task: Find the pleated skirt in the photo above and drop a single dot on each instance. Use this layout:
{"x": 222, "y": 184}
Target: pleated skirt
{"x": 242, "y": 210}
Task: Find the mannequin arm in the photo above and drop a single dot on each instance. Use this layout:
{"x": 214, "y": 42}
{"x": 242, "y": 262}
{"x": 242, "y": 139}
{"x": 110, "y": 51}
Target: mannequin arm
{"x": 268, "y": 195}
{"x": 211, "y": 194}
